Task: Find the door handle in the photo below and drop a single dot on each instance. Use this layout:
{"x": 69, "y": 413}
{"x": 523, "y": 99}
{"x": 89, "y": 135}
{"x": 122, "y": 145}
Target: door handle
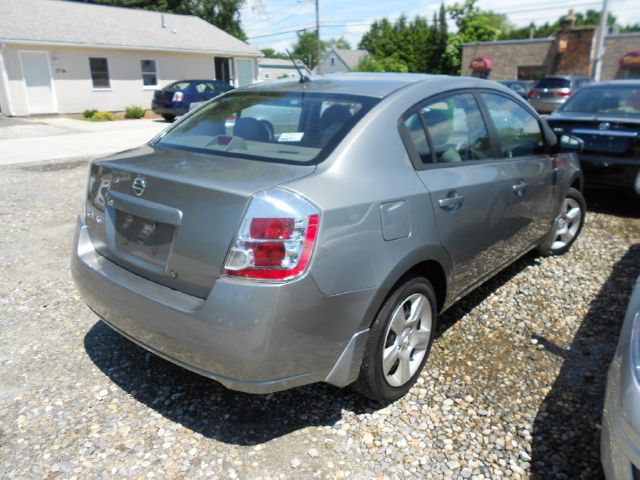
{"x": 520, "y": 188}
{"x": 452, "y": 201}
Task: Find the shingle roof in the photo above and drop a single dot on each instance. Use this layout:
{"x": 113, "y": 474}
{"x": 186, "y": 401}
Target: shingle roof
{"x": 351, "y": 57}
{"x": 74, "y": 23}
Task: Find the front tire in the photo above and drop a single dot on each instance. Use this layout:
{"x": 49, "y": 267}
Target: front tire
{"x": 567, "y": 226}
{"x": 399, "y": 342}
{"x": 168, "y": 118}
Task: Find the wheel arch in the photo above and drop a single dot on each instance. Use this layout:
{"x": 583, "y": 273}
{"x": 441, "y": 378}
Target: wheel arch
{"x": 431, "y": 263}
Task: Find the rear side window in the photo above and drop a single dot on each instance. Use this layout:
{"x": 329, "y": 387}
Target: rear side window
{"x": 518, "y": 130}
{"x": 553, "y": 83}
{"x": 418, "y": 137}
{"x": 456, "y": 128}
{"x": 291, "y": 127}
{"x": 180, "y": 86}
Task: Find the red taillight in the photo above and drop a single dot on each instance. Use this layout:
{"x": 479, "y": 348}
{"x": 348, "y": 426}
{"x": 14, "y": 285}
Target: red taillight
{"x": 177, "y": 97}
{"x": 272, "y": 228}
{"x": 533, "y": 94}
{"x": 563, "y": 94}
{"x": 276, "y": 238}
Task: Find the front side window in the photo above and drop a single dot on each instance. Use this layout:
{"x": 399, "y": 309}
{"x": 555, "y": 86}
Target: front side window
{"x": 149, "y": 73}
{"x": 99, "y": 72}
{"x": 518, "y": 130}
{"x": 456, "y": 128}
{"x": 291, "y": 127}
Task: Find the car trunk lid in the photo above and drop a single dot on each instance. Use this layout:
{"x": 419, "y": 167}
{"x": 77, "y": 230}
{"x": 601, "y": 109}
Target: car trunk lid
{"x": 602, "y": 134}
{"x": 170, "y": 216}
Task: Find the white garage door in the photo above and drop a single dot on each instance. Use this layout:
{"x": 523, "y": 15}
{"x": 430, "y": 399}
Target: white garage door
{"x": 37, "y": 78}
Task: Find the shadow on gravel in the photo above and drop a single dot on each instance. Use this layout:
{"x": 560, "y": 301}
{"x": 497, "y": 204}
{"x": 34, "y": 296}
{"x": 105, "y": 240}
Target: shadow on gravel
{"x": 612, "y": 202}
{"x": 566, "y": 431}
{"x": 208, "y": 408}
{"x": 205, "y": 406}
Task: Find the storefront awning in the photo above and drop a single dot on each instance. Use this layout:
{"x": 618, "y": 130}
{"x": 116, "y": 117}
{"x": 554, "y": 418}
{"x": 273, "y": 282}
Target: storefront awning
{"x": 631, "y": 59}
{"x": 481, "y": 63}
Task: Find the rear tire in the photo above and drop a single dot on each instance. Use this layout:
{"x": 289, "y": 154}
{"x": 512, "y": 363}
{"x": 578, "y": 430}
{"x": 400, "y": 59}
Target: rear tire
{"x": 399, "y": 342}
{"x": 567, "y": 226}
{"x": 168, "y": 118}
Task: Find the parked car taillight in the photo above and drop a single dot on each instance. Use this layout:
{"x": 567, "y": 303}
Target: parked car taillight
{"x": 177, "y": 97}
{"x": 563, "y": 94}
{"x": 533, "y": 94}
{"x": 276, "y": 237}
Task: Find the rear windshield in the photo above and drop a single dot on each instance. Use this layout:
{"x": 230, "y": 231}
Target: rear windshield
{"x": 180, "y": 85}
{"x": 605, "y": 101}
{"x": 553, "y": 83}
{"x": 289, "y": 127}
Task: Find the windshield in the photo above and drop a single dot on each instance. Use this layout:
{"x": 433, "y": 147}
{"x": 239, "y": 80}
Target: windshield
{"x": 553, "y": 83}
{"x": 605, "y": 101}
{"x": 290, "y": 127}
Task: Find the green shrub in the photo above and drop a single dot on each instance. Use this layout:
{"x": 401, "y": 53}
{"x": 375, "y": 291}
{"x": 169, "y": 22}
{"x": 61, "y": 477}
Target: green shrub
{"x": 134, "y": 111}
{"x": 102, "y": 117}
{"x": 89, "y": 113}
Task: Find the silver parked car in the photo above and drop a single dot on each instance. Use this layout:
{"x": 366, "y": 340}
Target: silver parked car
{"x": 620, "y": 439}
{"x": 319, "y": 242}
{"x": 551, "y": 92}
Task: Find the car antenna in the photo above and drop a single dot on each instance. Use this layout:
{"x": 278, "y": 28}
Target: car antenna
{"x": 303, "y": 77}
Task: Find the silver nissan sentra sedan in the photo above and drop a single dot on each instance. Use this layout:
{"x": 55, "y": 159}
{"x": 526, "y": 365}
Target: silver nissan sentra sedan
{"x": 620, "y": 439}
{"x": 312, "y": 231}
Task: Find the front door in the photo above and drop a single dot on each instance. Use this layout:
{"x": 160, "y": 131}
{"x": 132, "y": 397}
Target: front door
{"x": 37, "y": 79}
{"x": 530, "y": 169}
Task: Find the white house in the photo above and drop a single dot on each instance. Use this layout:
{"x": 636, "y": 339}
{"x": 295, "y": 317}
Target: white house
{"x": 275, "y": 68}
{"x": 65, "y": 57}
{"x": 340, "y": 60}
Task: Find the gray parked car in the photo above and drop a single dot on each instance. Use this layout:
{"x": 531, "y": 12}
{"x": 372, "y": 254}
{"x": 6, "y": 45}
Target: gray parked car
{"x": 320, "y": 243}
{"x": 551, "y": 92}
{"x": 620, "y": 439}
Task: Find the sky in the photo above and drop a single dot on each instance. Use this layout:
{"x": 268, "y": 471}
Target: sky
{"x": 273, "y": 23}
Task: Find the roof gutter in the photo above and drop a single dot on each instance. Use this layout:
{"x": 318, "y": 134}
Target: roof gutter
{"x": 225, "y": 53}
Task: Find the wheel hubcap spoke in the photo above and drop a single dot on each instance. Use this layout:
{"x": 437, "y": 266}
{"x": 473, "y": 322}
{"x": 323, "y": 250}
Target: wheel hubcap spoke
{"x": 567, "y": 224}
{"x": 391, "y": 355}
{"x": 407, "y": 339}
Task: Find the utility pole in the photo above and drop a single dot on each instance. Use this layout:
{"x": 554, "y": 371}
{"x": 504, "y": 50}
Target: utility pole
{"x": 602, "y": 31}
{"x": 318, "y": 68}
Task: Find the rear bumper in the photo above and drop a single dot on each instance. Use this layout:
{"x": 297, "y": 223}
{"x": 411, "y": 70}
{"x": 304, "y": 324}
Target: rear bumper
{"x": 546, "y": 105}
{"x": 602, "y": 171}
{"x": 251, "y": 337}
{"x": 173, "y": 109}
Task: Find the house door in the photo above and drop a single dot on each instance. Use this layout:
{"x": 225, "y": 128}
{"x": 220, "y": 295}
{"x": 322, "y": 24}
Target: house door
{"x": 222, "y": 69}
{"x": 37, "y": 79}
{"x": 245, "y": 72}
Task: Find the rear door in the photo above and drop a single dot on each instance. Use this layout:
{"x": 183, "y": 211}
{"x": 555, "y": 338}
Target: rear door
{"x": 528, "y": 168}
{"x": 469, "y": 187}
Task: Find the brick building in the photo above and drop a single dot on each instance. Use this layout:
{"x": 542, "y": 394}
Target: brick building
{"x": 571, "y": 51}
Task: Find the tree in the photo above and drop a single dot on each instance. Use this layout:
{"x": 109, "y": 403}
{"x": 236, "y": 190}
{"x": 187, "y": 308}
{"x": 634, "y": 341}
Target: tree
{"x": 224, "y": 14}
{"x": 474, "y": 25}
{"x": 388, "y": 64}
{"x": 271, "y": 53}
{"x": 341, "y": 43}
{"x": 400, "y": 45}
{"x": 306, "y": 48}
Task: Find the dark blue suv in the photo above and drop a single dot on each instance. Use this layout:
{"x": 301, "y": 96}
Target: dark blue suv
{"x": 175, "y": 98}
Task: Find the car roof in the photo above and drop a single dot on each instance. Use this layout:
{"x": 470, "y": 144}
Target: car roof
{"x": 378, "y": 85}
{"x": 616, "y": 83}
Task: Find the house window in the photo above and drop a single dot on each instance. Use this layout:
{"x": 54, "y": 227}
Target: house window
{"x": 149, "y": 73}
{"x": 333, "y": 61}
{"x": 99, "y": 72}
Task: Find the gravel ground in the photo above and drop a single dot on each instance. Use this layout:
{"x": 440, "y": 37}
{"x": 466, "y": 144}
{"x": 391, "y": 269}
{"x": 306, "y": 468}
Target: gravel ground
{"x": 514, "y": 386}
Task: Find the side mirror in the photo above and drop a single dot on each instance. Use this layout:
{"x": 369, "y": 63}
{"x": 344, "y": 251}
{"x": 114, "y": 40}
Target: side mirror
{"x": 569, "y": 143}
